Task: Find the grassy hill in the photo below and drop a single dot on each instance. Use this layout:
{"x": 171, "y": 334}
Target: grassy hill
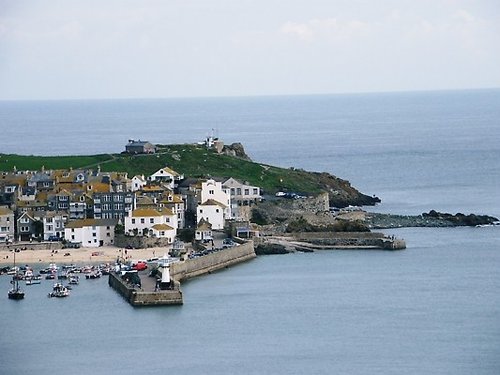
{"x": 197, "y": 161}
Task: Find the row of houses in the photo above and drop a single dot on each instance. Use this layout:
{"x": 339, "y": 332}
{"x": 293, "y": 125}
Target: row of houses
{"x": 86, "y": 206}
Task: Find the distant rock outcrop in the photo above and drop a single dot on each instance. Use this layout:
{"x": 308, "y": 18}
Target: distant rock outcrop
{"x": 237, "y": 150}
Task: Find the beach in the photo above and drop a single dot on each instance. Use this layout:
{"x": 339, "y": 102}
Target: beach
{"x": 105, "y": 254}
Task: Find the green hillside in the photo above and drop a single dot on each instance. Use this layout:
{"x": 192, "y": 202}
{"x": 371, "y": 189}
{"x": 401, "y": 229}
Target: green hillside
{"x": 198, "y": 161}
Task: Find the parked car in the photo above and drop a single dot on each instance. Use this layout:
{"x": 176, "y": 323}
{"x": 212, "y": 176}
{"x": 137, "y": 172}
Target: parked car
{"x": 54, "y": 238}
{"x": 227, "y": 242}
{"x": 140, "y": 266}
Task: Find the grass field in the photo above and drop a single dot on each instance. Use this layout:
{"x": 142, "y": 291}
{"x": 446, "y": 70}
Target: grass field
{"x": 190, "y": 160}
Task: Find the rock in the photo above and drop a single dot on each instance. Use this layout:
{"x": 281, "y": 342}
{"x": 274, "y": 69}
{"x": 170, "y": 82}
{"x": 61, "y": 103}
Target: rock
{"x": 237, "y": 150}
{"x": 270, "y": 248}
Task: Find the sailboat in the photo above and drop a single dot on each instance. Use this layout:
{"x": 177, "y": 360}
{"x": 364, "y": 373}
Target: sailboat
{"x": 15, "y": 292}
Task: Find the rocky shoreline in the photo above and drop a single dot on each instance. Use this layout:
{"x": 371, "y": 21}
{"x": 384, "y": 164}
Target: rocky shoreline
{"x": 432, "y": 219}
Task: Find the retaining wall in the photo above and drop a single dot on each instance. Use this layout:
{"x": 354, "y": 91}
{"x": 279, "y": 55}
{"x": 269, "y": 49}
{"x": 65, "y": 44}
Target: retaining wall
{"x": 212, "y": 262}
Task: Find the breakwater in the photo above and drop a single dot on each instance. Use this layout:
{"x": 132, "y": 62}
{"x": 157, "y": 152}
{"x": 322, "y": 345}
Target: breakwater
{"x": 350, "y": 240}
{"x": 310, "y": 241}
{"x": 212, "y": 262}
{"x": 148, "y": 295}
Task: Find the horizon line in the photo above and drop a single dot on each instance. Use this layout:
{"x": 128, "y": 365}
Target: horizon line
{"x": 254, "y": 95}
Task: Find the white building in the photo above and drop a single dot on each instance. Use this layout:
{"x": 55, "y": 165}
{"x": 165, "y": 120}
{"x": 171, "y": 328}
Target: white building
{"x": 175, "y": 203}
{"x": 53, "y": 224}
{"x": 151, "y": 222}
{"x": 6, "y": 224}
{"x": 213, "y": 212}
{"x": 166, "y": 175}
{"x": 242, "y": 195}
{"x": 137, "y": 183}
{"x": 91, "y": 232}
{"x": 203, "y": 231}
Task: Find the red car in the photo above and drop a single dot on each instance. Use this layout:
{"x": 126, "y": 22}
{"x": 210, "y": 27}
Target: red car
{"x": 140, "y": 266}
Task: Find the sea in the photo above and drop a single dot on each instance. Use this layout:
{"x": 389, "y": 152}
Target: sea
{"x": 433, "y": 308}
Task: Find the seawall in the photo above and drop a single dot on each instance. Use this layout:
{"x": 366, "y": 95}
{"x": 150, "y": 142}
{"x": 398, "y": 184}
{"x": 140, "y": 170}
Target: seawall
{"x": 212, "y": 262}
{"x": 148, "y": 295}
{"x": 349, "y": 240}
{"x": 142, "y": 297}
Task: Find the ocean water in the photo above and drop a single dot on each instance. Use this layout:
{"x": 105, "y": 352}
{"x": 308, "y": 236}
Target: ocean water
{"x": 433, "y": 308}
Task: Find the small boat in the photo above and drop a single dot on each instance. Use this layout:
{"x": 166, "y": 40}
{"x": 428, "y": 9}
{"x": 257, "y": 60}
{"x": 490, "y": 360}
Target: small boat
{"x": 59, "y": 290}
{"x": 15, "y": 292}
{"x": 93, "y": 275}
{"x": 33, "y": 280}
{"x": 73, "y": 279}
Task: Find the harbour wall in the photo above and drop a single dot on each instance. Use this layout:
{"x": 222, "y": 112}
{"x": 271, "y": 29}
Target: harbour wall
{"x": 208, "y": 263}
{"x": 349, "y": 240}
{"x": 182, "y": 271}
{"x": 141, "y": 298}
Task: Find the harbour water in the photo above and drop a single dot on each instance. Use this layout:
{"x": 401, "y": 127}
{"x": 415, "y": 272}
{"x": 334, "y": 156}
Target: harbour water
{"x": 432, "y": 308}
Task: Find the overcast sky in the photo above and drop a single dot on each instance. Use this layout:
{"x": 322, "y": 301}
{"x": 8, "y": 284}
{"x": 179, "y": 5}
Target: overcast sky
{"x": 64, "y": 49}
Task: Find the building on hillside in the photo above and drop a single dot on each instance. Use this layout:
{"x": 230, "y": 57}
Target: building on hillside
{"x": 153, "y": 223}
{"x": 139, "y": 147}
{"x": 213, "y": 212}
{"x": 59, "y": 201}
{"x": 53, "y": 225}
{"x": 41, "y": 181}
{"x": 91, "y": 232}
{"x": 6, "y": 224}
{"x": 26, "y": 227}
{"x": 81, "y": 206}
{"x": 175, "y": 203}
{"x": 137, "y": 183}
{"x": 203, "y": 231}
{"x": 113, "y": 205}
{"x": 242, "y": 195}
{"x": 167, "y": 176}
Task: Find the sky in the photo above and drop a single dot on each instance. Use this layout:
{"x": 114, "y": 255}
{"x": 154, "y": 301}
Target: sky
{"x": 92, "y": 49}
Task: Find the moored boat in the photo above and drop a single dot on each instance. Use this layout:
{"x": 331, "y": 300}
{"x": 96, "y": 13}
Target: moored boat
{"x": 33, "y": 280}
{"x": 59, "y": 290}
{"x": 73, "y": 279}
{"x": 16, "y": 292}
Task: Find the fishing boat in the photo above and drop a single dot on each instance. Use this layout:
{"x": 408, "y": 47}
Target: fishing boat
{"x": 59, "y": 290}
{"x": 15, "y": 292}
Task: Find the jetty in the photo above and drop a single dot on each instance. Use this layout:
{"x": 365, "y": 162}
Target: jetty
{"x": 146, "y": 291}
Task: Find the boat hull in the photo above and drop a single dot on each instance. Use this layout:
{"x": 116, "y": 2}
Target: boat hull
{"x": 16, "y": 295}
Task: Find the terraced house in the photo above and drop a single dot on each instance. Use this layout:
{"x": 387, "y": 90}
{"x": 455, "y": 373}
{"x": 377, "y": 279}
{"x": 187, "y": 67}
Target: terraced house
{"x": 6, "y": 224}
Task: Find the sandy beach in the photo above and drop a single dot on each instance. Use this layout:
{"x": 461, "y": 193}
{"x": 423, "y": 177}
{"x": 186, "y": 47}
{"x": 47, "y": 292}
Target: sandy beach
{"x": 78, "y": 256}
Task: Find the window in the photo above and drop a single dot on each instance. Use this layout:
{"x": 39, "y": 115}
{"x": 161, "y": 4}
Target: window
{"x": 238, "y": 191}
{"x": 151, "y": 220}
{"x": 94, "y": 234}
{"x": 142, "y": 220}
{"x": 201, "y": 211}
{"x": 255, "y": 191}
{"x": 72, "y": 237}
{"x": 25, "y": 229}
{"x": 217, "y": 210}
{"x": 133, "y": 221}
